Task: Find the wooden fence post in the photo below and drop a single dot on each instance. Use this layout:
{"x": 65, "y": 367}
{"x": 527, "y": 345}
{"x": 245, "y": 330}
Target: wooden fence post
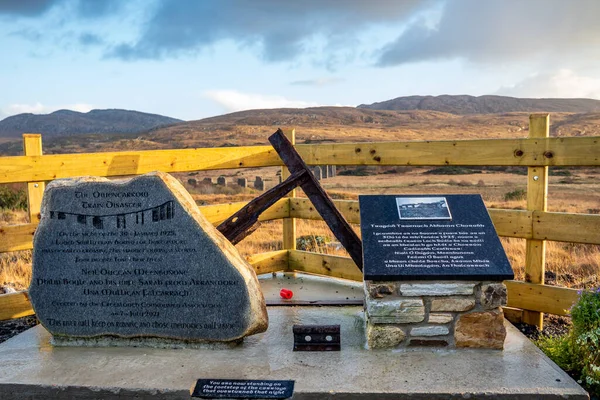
{"x": 537, "y": 199}
{"x": 32, "y": 146}
{"x": 289, "y": 224}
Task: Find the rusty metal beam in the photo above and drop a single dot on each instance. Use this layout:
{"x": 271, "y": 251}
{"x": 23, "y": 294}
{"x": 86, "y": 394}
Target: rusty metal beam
{"x": 244, "y": 222}
{"x": 322, "y": 202}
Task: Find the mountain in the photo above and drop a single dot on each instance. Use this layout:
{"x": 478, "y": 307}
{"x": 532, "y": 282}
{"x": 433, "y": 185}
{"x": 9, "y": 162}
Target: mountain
{"x": 67, "y": 123}
{"x": 317, "y": 125}
{"x": 463, "y": 104}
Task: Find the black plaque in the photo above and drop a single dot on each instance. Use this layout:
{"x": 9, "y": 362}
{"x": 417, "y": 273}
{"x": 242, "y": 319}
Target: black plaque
{"x": 430, "y": 237}
{"x": 316, "y": 337}
{"x": 242, "y": 389}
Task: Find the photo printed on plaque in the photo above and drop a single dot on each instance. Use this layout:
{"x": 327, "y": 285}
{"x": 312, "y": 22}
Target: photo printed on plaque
{"x": 423, "y": 208}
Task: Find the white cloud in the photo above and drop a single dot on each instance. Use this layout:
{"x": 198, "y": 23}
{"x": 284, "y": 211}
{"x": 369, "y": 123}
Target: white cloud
{"x": 39, "y": 108}
{"x": 563, "y": 83}
{"x": 232, "y": 100}
{"x": 494, "y": 31}
{"x": 319, "y": 82}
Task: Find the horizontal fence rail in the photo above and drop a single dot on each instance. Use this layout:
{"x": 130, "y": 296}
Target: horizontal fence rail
{"x": 20, "y": 237}
{"x": 579, "y": 151}
{"x": 529, "y": 296}
{"x": 561, "y": 227}
{"x": 527, "y": 300}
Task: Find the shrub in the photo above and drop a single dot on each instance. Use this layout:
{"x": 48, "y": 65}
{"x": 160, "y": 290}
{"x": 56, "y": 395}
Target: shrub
{"x": 452, "y": 170}
{"x": 578, "y": 352}
{"x": 358, "y": 171}
{"x": 311, "y": 242}
{"x": 13, "y": 199}
{"x": 557, "y": 171}
{"x": 517, "y": 194}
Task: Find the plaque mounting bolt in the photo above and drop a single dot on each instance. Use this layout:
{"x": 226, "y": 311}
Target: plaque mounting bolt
{"x": 535, "y": 178}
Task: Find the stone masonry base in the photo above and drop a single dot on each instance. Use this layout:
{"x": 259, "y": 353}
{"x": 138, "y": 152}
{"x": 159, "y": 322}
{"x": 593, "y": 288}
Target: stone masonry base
{"x": 448, "y": 314}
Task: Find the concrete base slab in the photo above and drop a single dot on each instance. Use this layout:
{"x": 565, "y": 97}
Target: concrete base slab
{"x": 31, "y": 368}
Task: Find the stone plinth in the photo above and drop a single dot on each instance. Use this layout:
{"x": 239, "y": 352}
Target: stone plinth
{"x": 447, "y": 314}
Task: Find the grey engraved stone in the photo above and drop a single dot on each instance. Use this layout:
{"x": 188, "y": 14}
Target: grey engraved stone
{"x": 136, "y": 259}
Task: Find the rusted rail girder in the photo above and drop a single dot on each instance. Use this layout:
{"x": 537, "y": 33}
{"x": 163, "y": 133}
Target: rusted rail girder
{"x": 243, "y": 222}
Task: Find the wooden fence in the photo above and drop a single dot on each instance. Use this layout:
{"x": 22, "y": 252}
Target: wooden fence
{"x": 527, "y": 300}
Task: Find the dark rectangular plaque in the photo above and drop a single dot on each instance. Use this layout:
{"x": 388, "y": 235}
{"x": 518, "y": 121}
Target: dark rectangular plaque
{"x": 316, "y": 337}
{"x": 242, "y": 389}
{"x": 430, "y": 237}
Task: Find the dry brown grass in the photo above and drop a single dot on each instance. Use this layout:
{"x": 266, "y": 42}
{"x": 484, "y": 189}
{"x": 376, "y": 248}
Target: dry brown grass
{"x": 15, "y": 267}
{"x": 568, "y": 264}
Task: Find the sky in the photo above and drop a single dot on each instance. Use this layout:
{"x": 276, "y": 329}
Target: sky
{"x": 192, "y": 59}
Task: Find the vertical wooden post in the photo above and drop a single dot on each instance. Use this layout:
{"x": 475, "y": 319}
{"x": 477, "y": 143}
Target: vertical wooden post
{"x": 537, "y": 199}
{"x": 32, "y": 146}
{"x": 289, "y": 224}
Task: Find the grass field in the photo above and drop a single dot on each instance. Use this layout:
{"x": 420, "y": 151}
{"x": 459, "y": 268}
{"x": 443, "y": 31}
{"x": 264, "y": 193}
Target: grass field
{"x": 568, "y": 264}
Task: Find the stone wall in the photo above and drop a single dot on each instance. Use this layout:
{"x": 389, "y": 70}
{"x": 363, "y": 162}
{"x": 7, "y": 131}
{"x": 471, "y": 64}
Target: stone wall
{"x": 441, "y": 314}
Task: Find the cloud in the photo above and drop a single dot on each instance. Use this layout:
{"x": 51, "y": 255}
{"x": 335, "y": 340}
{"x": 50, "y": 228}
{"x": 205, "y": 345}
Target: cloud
{"x": 90, "y": 39}
{"x": 281, "y": 30}
{"x": 500, "y": 31}
{"x": 564, "y": 83}
{"x": 32, "y": 35}
{"x": 82, "y": 8}
{"x": 39, "y": 108}
{"x": 27, "y": 8}
{"x": 319, "y": 82}
{"x": 232, "y": 100}
{"x": 97, "y": 8}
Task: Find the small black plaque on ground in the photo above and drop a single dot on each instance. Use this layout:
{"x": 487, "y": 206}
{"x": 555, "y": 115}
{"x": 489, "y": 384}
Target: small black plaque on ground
{"x": 424, "y": 237}
{"x": 242, "y": 389}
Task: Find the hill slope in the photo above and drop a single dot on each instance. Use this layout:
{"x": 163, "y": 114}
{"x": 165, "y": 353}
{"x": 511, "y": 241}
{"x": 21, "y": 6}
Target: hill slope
{"x": 464, "y": 104}
{"x": 66, "y": 123}
{"x": 318, "y": 125}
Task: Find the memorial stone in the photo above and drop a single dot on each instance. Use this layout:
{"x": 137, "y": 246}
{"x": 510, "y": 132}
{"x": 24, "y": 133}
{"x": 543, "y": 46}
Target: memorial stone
{"x": 433, "y": 267}
{"x": 242, "y": 182}
{"x": 333, "y": 171}
{"x": 209, "y": 181}
{"x": 259, "y": 184}
{"x": 318, "y": 173}
{"x": 325, "y": 171}
{"x": 222, "y": 181}
{"x": 136, "y": 260}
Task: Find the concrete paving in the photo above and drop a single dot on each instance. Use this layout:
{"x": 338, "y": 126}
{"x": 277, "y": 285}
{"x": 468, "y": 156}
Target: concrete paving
{"x": 310, "y": 289}
{"x": 31, "y": 368}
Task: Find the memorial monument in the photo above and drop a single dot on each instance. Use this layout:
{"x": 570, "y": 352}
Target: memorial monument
{"x": 433, "y": 270}
{"x": 134, "y": 262}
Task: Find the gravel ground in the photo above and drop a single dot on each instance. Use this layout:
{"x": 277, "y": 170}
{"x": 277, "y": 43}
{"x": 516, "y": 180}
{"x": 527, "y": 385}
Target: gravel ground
{"x": 13, "y": 327}
{"x": 554, "y": 325}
